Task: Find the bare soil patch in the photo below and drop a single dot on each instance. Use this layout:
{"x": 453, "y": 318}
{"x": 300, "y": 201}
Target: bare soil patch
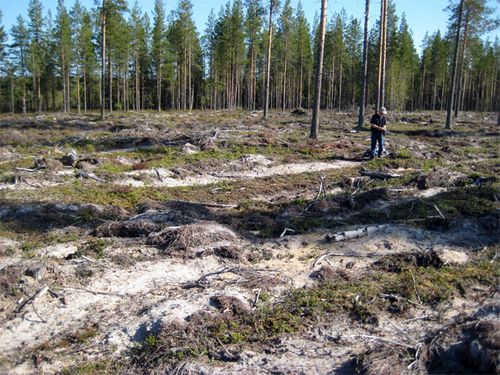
{"x": 213, "y": 242}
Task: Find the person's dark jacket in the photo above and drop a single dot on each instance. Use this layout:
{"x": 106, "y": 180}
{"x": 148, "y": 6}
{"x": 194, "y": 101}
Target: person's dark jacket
{"x": 379, "y": 121}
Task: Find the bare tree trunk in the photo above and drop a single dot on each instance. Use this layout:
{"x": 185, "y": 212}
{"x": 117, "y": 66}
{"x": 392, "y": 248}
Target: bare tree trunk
{"x": 78, "y": 87}
{"x": 84, "y": 90}
{"x": 382, "y": 54}
{"x": 65, "y": 105}
{"x": 319, "y": 71}
{"x": 364, "y": 72}
{"x": 268, "y": 59}
{"x": 24, "y": 97}
{"x": 460, "y": 72}
{"x": 384, "y": 58}
{"x": 137, "y": 85}
{"x": 451, "y": 94}
{"x": 12, "y": 108}
{"x": 103, "y": 59}
{"x": 158, "y": 86}
{"x": 110, "y": 68}
{"x": 39, "y": 93}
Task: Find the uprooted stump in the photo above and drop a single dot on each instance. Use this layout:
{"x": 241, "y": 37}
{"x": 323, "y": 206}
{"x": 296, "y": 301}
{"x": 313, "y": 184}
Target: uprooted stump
{"x": 384, "y": 359}
{"x": 440, "y": 178}
{"x": 396, "y": 262}
{"x": 194, "y": 239}
{"x": 464, "y": 348}
{"x": 327, "y": 273}
{"x": 137, "y": 228}
{"x": 231, "y": 304}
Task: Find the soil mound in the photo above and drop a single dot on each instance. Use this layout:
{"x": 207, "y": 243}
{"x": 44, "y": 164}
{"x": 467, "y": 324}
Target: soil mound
{"x": 466, "y": 348}
{"x": 396, "y": 262}
{"x": 137, "y": 228}
{"x": 193, "y": 239}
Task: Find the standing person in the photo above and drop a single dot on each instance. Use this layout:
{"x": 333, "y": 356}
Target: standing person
{"x": 377, "y": 126}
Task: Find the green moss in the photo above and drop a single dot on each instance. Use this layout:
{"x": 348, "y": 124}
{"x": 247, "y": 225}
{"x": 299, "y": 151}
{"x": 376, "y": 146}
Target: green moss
{"x": 97, "y": 367}
{"x": 95, "y": 247}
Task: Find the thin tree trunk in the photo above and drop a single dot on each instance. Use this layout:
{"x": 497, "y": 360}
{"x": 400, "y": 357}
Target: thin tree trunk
{"x": 24, "y": 97}
{"x": 319, "y": 72}
{"x": 110, "y": 68}
{"x": 137, "y": 85}
{"x": 268, "y": 59}
{"x": 384, "y": 57}
{"x": 460, "y": 73}
{"x": 451, "y": 94}
{"x": 158, "y": 86}
{"x": 103, "y": 60}
{"x": 84, "y": 90}
{"x": 364, "y": 72}
{"x": 12, "y": 106}
{"x": 78, "y": 87}
{"x": 63, "y": 61}
{"x": 39, "y": 93}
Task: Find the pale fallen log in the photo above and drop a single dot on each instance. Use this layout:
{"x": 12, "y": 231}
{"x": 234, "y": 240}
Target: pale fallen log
{"x": 89, "y": 175}
{"x": 347, "y": 235}
{"x": 213, "y": 205}
{"x": 27, "y": 169}
{"x": 380, "y": 175}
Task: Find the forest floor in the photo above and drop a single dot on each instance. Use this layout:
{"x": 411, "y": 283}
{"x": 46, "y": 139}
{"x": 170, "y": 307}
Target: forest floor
{"x": 219, "y": 243}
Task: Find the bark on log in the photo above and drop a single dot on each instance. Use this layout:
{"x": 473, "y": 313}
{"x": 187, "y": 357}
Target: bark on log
{"x": 380, "y": 175}
{"x": 342, "y": 236}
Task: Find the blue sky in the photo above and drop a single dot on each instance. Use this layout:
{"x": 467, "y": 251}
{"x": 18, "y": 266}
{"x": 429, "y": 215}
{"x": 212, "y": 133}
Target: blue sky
{"x": 422, "y": 15}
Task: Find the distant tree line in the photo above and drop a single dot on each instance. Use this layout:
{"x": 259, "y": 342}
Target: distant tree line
{"x": 125, "y": 59}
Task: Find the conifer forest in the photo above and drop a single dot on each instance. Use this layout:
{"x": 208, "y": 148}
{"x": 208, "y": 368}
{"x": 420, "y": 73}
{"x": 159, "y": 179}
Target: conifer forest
{"x": 132, "y": 60}
{"x": 269, "y": 193}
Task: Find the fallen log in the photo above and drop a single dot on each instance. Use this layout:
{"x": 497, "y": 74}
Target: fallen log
{"x": 83, "y": 174}
{"x": 208, "y": 204}
{"x": 380, "y": 175}
{"x": 347, "y": 235}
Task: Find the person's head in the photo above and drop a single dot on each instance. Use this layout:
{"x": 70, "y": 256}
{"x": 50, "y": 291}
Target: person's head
{"x": 382, "y": 111}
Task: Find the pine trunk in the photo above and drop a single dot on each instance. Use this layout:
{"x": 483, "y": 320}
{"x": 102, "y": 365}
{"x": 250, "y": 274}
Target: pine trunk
{"x": 451, "y": 94}
{"x": 319, "y": 72}
{"x": 103, "y": 61}
{"x": 268, "y": 59}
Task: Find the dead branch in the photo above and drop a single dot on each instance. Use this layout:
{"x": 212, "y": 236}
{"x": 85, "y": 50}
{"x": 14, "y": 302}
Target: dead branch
{"x": 342, "y": 236}
{"x": 344, "y": 255}
{"x": 32, "y": 299}
{"x": 158, "y": 175}
{"x": 308, "y": 207}
{"x": 256, "y": 300}
{"x": 28, "y": 169}
{"x": 399, "y": 298}
{"x": 83, "y": 174}
{"x": 377, "y": 338}
{"x": 440, "y": 213}
{"x": 228, "y": 353}
{"x": 203, "y": 281}
{"x": 321, "y": 190}
{"x": 286, "y": 230}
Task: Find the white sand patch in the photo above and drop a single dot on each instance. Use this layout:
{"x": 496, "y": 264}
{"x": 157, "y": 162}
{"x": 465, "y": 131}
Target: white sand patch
{"x": 150, "y": 177}
{"x": 116, "y": 294}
